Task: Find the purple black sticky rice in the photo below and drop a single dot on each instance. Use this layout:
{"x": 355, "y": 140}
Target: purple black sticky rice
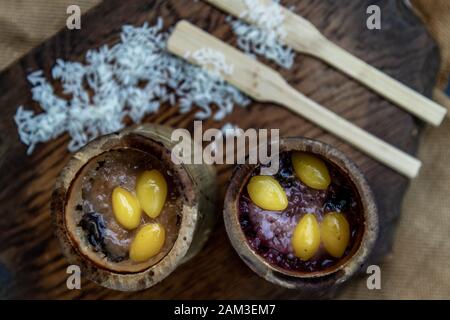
{"x": 269, "y": 233}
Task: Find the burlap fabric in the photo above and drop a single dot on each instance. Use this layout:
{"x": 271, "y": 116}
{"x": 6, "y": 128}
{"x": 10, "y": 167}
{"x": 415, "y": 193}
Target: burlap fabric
{"x": 419, "y": 266}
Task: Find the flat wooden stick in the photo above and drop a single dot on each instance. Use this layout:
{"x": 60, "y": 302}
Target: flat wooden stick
{"x": 304, "y": 37}
{"x": 264, "y": 84}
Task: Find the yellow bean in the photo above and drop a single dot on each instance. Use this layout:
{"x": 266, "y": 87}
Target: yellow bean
{"x": 306, "y": 237}
{"x": 126, "y": 208}
{"x": 335, "y": 233}
{"x": 267, "y": 193}
{"x": 311, "y": 170}
{"x": 151, "y": 189}
{"x": 148, "y": 242}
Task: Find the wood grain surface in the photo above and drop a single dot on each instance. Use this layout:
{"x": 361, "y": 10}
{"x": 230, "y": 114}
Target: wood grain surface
{"x": 31, "y": 263}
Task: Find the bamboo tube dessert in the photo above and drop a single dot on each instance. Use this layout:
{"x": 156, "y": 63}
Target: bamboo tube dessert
{"x": 127, "y": 210}
{"x": 127, "y": 214}
{"x": 311, "y": 226}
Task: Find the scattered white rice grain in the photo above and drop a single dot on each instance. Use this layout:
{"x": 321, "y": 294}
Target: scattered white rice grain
{"x": 128, "y": 80}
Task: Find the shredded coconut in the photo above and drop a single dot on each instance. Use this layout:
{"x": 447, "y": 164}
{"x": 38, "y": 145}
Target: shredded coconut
{"x": 266, "y": 37}
{"x": 128, "y": 80}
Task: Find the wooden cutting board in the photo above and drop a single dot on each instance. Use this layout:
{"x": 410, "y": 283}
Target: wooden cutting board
{"x": 31, "y": 264}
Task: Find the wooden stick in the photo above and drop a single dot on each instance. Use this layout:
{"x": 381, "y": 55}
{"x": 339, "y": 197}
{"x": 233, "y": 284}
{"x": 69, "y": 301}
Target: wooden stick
{"x": 264, "y": 84}
{"x": 304, "y": 37}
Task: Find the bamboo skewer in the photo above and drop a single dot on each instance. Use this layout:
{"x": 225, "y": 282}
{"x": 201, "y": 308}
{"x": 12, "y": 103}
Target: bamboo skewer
{"x": 266, "y": 85}
{"x": 304, "y": 37}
